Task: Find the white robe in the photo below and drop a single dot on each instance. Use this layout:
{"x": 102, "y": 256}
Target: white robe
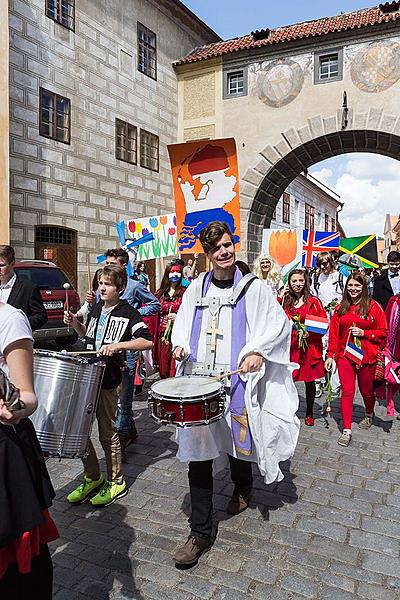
{"x": 271, "y": 398}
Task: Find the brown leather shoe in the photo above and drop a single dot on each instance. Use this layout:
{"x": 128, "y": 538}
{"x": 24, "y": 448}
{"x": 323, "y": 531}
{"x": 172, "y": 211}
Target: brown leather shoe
{"x": 126, "y": 439}
{"x": 190, "y": 552}
{"x": 239, "y": 501}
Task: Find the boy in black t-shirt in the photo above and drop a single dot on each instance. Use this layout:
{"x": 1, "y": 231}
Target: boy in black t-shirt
{"x": 112, "y": 327}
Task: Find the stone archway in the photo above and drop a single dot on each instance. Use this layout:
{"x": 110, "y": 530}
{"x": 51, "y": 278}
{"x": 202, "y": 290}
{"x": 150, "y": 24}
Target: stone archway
{"x": 299, "y": 149}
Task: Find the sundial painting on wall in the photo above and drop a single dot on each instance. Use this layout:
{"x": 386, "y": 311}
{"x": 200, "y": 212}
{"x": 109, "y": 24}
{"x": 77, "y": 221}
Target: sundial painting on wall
{"x": 280, "y": 82}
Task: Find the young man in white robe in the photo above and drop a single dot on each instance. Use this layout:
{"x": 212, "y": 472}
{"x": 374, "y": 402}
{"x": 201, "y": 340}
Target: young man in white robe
{"x": 259, "y": 424}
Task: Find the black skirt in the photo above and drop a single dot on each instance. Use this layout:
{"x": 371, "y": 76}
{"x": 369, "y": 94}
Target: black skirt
{"x": 25, "y": 486}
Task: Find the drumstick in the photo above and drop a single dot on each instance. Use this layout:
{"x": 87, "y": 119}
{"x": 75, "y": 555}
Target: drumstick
{"x": 81, "y": 352}
{"x": 89, "y": 274}
{"x": 223, "y": 375}
{"x": 66, "y": 287}
{"x": 84, "y": 352}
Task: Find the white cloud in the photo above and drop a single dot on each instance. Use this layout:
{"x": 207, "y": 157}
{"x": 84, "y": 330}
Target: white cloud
{"x": 369, "y": 186}
{"x": 373, "y": 166}
{"x": 323, "y": 175}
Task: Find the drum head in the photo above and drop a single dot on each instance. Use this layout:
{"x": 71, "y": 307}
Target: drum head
{"x": 188, "y": 386}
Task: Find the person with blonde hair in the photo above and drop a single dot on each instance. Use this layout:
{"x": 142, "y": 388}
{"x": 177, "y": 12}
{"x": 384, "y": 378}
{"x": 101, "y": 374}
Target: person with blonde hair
{"x": 266, "y": 269}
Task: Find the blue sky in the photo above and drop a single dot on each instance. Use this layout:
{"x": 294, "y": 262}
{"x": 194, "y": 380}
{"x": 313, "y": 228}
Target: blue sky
{"x": 233, "y": 18}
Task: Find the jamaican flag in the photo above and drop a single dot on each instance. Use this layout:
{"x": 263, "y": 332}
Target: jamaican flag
{"x": 364, "y": 247}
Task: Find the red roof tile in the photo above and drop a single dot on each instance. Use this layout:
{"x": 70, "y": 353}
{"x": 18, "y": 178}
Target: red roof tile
{"x": 344, "y": 22}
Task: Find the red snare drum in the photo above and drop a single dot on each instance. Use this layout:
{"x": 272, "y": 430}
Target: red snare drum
{"x": 187, "y": 401}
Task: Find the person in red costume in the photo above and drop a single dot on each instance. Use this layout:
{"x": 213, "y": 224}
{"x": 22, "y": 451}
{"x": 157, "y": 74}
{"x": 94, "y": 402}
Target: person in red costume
{"x": 393, "y": 344}
{"x": 170, "y": 297}
{"x": 357, "y": 319}
{"x": 306, "y": 349}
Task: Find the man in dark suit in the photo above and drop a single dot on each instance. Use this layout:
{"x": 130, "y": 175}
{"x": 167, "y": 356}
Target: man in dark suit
{"x": 18, "y": 292}
{"x": 388, "y": 284}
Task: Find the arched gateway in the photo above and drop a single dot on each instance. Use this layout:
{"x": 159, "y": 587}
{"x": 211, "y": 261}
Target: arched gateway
{"x": 271, "y": 179}
{"x": 294, "y": 96}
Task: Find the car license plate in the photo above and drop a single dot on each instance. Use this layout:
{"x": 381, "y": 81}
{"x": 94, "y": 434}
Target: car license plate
{"x": 55, "y": 304}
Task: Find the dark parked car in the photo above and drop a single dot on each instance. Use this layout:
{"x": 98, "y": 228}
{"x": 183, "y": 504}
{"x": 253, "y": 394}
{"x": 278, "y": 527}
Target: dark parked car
{"x": 50, "y": 279}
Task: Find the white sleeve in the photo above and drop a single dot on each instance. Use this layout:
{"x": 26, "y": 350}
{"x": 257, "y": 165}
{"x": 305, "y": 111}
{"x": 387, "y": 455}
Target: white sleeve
{"x": 182, "y": 328}
{"x": 14, "y": 325}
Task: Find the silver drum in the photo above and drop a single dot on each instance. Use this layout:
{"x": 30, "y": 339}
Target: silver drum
{"x": 67, "y": 388}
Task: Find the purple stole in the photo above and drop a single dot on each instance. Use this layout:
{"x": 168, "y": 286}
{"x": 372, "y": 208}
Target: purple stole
{"x": 239, "y": 422}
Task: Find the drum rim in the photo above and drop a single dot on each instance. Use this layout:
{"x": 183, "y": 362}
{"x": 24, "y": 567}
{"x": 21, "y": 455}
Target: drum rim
{"x": 204, "y": 395}
{"x": 78, "y": 360}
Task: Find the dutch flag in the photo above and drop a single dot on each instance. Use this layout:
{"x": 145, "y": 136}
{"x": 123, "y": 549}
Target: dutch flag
{"x": 354, "y": 353}
{"x": 316, "y": 324}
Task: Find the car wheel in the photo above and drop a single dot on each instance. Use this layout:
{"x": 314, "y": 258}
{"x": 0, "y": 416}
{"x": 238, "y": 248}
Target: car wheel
{"x": 64, "y": 343}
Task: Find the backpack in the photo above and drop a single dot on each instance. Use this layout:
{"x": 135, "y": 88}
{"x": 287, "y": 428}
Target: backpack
{"x": 392, "y": 368}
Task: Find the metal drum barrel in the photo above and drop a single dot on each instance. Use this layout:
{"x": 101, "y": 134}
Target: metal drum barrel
{"x": 67, "y": 388}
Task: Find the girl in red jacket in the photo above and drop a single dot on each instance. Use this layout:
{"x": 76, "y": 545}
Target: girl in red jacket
{"x": 305, "y": 348}
{"x": 356, "y": 319}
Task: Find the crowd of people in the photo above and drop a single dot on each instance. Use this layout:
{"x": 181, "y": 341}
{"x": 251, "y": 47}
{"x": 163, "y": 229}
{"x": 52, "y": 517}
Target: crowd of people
{"x": 330, "y": 327}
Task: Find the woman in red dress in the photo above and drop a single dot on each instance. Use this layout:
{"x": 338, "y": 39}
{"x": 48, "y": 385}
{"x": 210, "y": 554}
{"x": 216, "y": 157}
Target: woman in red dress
{"x": 298, "y": 303}
{"x": 170, "y": 296}
{"x": 362, "y": 322}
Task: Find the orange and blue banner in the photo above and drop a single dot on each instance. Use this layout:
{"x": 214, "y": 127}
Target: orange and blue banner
{"x": 206, "y": 188}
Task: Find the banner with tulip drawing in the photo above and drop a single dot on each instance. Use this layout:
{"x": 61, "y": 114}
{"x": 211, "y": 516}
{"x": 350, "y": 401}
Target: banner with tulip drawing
{"x": 164, "y": 230}
{"x": 285, "y": 247}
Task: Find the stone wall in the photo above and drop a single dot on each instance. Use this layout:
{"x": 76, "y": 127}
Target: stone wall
{"x": 83, "y": 185}
{"x": 4, "y": 125}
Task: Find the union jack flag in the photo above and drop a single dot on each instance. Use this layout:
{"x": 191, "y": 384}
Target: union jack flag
{"x": 317, "y": 241}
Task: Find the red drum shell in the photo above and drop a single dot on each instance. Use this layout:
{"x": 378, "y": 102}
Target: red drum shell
{"x": 182, "y": 402}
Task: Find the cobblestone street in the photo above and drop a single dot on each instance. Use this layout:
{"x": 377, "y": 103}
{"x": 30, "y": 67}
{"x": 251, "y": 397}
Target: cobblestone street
{"x": 329, "y": 530}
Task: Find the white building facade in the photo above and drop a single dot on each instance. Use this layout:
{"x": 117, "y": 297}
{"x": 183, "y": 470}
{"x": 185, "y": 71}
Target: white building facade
{"x": 307, "y": 204}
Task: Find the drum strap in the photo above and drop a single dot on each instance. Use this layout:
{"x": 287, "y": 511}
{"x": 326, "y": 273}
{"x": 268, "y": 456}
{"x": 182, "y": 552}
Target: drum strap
{"x": 231, "y": 300}
{"x": 214, "y": 304}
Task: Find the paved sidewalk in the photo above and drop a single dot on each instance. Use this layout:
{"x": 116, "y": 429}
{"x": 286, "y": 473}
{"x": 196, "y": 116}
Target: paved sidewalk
{"x": 330, "y": 530}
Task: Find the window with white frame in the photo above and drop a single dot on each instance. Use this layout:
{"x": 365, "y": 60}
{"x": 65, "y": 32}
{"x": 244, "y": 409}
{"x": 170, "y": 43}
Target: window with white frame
{"x": 328, "y": 66}
{"x": 235, "y": 83}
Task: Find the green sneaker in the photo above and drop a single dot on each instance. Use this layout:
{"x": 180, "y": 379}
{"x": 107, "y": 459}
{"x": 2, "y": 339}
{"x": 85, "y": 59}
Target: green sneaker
{"x": 109, "y": 493}
{"x": 83, "y": 491}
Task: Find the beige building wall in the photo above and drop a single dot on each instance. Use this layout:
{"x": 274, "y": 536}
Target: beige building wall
{"x": 4, "y": 125}
{"x": 284, "y": 108}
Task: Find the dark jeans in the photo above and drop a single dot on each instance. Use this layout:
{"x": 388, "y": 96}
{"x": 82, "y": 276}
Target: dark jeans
{"x": 125, "y": 420}
{"x": 36, "y": 585}
{"x": 201, "y": 490}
